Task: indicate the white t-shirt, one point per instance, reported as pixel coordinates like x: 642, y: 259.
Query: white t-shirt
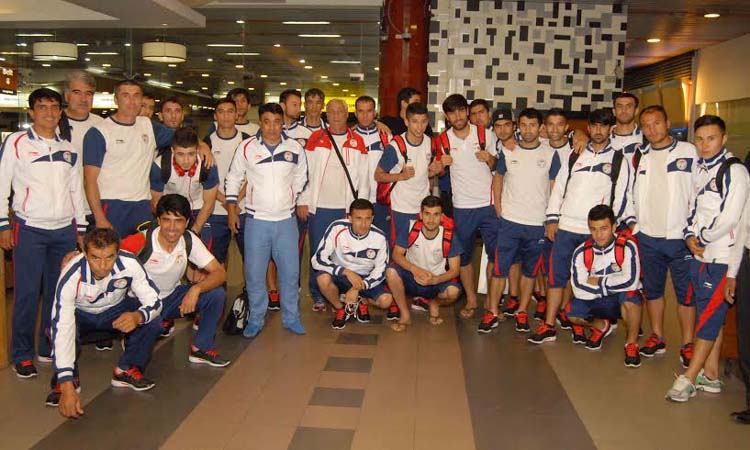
x: 167, y: 268
x: 428, y: 253
x: 407, y: 195
x: 223, y: 151
x: 334, y: 180
x: 471, y: 179
x: 78, y: 129
x: 249, y: 128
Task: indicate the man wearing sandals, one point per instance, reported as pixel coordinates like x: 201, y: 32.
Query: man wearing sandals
x: 351, y: 260
x: 426, y: 262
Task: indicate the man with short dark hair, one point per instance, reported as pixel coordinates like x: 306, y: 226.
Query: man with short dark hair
x: 625, y: 131
x: 148, y: 106
x: 720, y: 193
x: 42, y: 172
x: 314, y: 101
x: 275, y: 169
x: 479, y: 113
x: 599, y: 175
x: 241, y: 98
x: 605, y: 278
x: 398, y: 124
x: 110, y: 276
x: 351, y: 260
x: 171, y: 113
x: 165, y: 250
x: 291, y: 102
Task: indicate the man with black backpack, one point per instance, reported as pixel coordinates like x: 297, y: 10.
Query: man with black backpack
x: 165, y: 250
x: 598, y: 175
x: 179, y: 170
x: 606, y: 277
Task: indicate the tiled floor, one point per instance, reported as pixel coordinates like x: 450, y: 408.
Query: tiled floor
x: 368, y: 388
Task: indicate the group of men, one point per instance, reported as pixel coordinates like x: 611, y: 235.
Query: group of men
x: 569, y: 219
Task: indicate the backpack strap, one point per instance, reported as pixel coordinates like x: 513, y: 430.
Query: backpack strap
x: 482, y: 136
x: 620, y: 250
x: 447, y: 224
x: 445, y: 143
x: 571, y: 162
x: 414, y: 233
x: 166, y: 165
x: 148, y: 248
x: 588, y: 254
x: 614, y: 174
x: 725, y: 165
x: 383, y: 138
x: 401, y: 145
x: 203, y: 173
x: 188, y: 236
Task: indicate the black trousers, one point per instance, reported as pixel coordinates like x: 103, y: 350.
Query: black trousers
x: 742, y: 302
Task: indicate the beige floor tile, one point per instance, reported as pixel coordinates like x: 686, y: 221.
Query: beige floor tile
x: 330, y: 417
x: 347, y: 380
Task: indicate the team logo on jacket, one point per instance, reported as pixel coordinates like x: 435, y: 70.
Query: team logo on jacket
x: 681, y: 164
x: 67, y: 157
x: 712, y: 186
x: 353, y: 143
x: 144, y: 138
x: 614, y: 267
x: 371, y: 254
x: 120, y: 283
x: 302, y: 141
x: 607, y: 168
x: 541, y: 163
x: 288, y: 156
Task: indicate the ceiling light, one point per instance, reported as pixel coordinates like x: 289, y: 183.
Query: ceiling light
x: 342, y: 61
x: 204, y: 75
x: 127, y: 44
x: 102, y: 53
x: 87, y: 59
x: 345, y: 90
x: 277, y: 45
x: 146, y: 74
x: 159, y: 83
x: 210, y: 59
x: 325, y: 77
x: 21, y: 44
x: 165, y: 52
x: 225, y: 45
x: 301, y: 61
x: 171, y: 65
x: 377, y: 69
x: 2, y: 59
x: 283, y: 83
x: 352, y: 95
x: 54, y: 51
x: 82, y: 45
x: 653, y: 40
x: 230, y: 82
x: 242, y: 54
x: 106, y: 65
x: 707, y: 16
x: 335, y: 84
x: 298, y: 22
x: 192, y: 91
x: 251, y: 89
x: 204, y: 88
x: 178, y: 82
x: 308, y: 67
x: 319, y: 35
x: 239, y: 66
x: 46, y: 65
x: 264, y: 76
x: 240, y: 21
x: 14, y: 53
x: 34, y: 35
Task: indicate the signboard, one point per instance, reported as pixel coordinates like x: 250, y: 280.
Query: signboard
x: 8, y: 80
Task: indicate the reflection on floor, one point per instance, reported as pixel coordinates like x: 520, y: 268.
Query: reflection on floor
x: 366, y: 387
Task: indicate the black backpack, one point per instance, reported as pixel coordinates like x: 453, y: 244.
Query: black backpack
x: 238, y: 315
x: 148, y: 248
x: 166, y: 167
x: 725, y: 165
x: 614, y: 174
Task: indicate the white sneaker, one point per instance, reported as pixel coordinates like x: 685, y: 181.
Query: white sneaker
x: 705, y: 384
x: 44, y: 359
x: 682, y: 390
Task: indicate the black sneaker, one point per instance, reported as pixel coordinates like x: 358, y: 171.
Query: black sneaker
x: 339, y: 319
x: 420, y: 304
x: 510, y: 307
x: 632, y: 357
x: 522, y: 322
x: 541, y: 310
x: 210, y: 357
x: 393, y: 312
x: 53, y: 398
x: 104, y: 346
x: 563, y: 322
x: 274, y: 304
x: 167, y: 328
x: 686, y: 354
x: 489, y: 321
x: 363, y: 312
x: 598, y: 336
x: 544, y: 333
x: 654, y: 346
x: 579, y: 334
x: 131, y: 378
x: 25, y: 369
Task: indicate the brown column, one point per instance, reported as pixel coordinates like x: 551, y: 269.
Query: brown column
x: 403, y: 62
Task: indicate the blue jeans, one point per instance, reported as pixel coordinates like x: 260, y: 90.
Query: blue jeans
x: 317, y: 225
x: 210, y: 306
x: 278, y: 239
x: 37, y: 257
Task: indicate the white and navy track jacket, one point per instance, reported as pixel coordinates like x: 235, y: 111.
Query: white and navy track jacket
x: 341, y: 249
x: 682, y: 166
x: 714, y: 218
x: 298, y: 132
x: 589, y: 185
x: 45, y: 177
x: 612, y: 277
x: 375, y: 143
x: 78, y: 289
x: 274, y: 179
x: 319, y: 151
x: 626, y: 141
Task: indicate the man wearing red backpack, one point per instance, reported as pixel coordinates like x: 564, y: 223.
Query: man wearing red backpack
x: 605, y: 275
x: 426, y: 262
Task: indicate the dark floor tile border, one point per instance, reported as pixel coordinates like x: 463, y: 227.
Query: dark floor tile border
x: 308, y: 438
x: 342, y: 397
x: 348, y: 364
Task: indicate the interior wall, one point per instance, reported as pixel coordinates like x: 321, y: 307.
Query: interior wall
x: 723, y: 71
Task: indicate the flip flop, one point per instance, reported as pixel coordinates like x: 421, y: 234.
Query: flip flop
x: 399, y: 327
x: 467, y: 313
x: 436, y: 320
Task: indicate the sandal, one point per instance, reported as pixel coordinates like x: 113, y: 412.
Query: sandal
x: 467, y: 313
x: 399, y: 327
x: 436, y: 320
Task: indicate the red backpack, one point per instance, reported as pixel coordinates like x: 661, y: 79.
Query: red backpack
x: 448, y: 227
x: 383, y: 195
x: 620, y: 240
x: 443, y: 143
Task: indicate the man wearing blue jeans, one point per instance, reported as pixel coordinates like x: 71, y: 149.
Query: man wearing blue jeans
x: 275, y: 169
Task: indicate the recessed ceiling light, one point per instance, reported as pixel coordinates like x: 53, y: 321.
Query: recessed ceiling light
x: 319, y: 35
x: 707, y: 16
x: 230, y: 82
x: 82, y: 45
x: 2, y: 59
x: 352, y: 95
x: 325, y: 77
x: 343, y: 61
x: 302, y: 22
x: 308, y: 67
x: 377, y: 69
x: 204, y: 88
x: 34, y: 35
x: 21, y: 44
x: 46, y: 65
x: 204, y: 75
x: 106, y: 65
x: 251, y: 89
x: 239, y: 66
x: 345, y: 90
x: 146, y: 74
x: 335, y: 84
x: 240, y: 21
x: 87, y: 59
x: 210, y: 59
x: 653, y: 40
x: 102, y: 53
x: 164, y: 24
x: 14, y: 53
x: 178, y: 82
x: 277, y: 45
x: 242, y: 54
x: 301, y: 61
x: 264, y: 76
x: 225, y: 45
x: 283, y: 83
x: 171, y: 65
x: 127, y: 44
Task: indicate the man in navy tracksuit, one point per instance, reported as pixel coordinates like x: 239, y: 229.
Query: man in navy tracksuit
x: 42, y: 171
